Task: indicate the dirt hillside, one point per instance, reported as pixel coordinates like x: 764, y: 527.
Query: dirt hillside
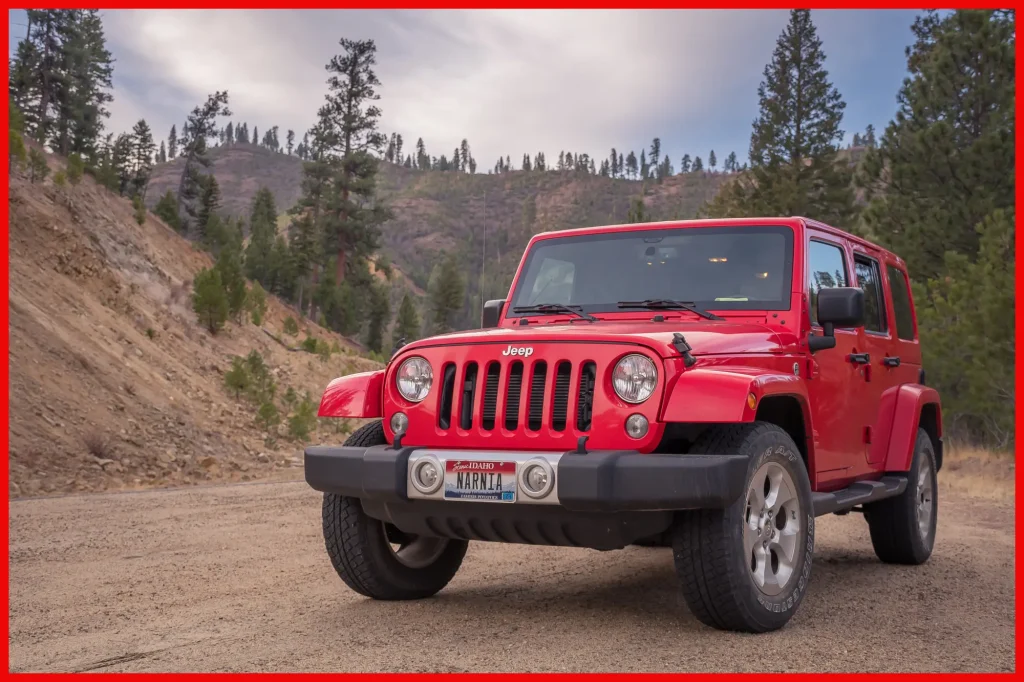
x: 113, y: 384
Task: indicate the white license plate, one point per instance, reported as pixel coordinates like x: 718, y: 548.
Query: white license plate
x: 477, y: 481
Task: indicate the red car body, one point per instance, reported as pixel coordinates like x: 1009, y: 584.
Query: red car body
x: 852, y: 420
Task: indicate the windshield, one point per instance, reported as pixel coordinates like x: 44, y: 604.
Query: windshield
x: 715, y: 268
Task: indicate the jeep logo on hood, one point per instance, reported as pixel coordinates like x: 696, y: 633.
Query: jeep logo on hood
x: 525, y: 351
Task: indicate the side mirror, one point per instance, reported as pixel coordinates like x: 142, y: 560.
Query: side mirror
x: 837, y: 307
x: 492, y: 312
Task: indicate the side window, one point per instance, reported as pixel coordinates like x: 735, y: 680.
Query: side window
x: 826, y: 269
x: 901, y: 303
x: 874, y: 302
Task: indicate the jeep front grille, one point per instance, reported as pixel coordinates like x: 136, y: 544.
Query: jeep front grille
x: 554, y: 386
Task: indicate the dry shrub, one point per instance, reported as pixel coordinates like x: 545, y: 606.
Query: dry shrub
x: 97, y: 444
x: 977, y: 472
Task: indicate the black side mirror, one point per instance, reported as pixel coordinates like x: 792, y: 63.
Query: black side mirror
x: 841, y: 307
x: 492, y: 312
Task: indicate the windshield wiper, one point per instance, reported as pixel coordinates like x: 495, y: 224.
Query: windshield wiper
x: 554, y: 308
x: 668, y: 304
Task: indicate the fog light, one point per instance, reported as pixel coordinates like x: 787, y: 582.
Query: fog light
x: 426, y: 475
x: 537, y: 478
x: 399, y: 422
x: 636, y: 426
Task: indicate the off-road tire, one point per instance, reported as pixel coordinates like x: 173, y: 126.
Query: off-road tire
x: 359, y: 547
x: 894, y: 522
x: 708, y: 547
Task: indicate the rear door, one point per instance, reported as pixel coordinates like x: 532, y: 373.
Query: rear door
x: 877, y: 352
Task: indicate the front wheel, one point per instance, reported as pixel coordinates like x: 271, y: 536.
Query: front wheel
x: 746, y: 568
x: 378, y: 560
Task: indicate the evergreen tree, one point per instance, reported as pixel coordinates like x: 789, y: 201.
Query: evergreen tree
x: 731, y: 165
x: 856, y: 140
x: 201, y: 124
x: 290, y: 142
x: 712, y: 161
x: 631, y: 168
x: 613, y: 164
x: 655, y: 153
x: 795, y: 139
x: 76, y: 168
x: 121, y: 160
x: 698, y: 165
x: 378, y: 316
x: 229, y: 266
x: 398, y: 148
x: 259, y: 263
x: 229, y: 133
x: 447, y: 291
x: 210, y: 299
x: 353, y: 225
x: 942, y: 187
x: 209, y: 204
x: 526, y: 162
x: 242, y: 134
x: 422, y: 159
x: 172, y: 143
x: 407, y: 324
x: 256, y: 135
x: 161, y: 156
x: 37, y: 166
x: 466, y: 155
x: 141, y: 157
x: 645, y: 168
x: 869, y: 137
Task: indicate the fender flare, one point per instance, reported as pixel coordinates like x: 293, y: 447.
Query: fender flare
x: 354, y: 395
x: 720, y: 394
x: 911, y: 400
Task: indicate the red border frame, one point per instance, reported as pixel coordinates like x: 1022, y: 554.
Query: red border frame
x: 508, y: 4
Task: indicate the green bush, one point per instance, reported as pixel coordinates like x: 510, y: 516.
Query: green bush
x: 267, y: 416
x: 237, y: 379
x: 60, y: 178
x: 140, y: 210
x: 17, y: 156
x: 76, y: 167
x: 256, y: 303
x: 151, y: 333
x: 291, y: 327
x: 37, y: 167
x: 309, y: 344
x: 303, y: 420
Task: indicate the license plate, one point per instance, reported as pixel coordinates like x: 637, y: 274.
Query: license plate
x: 479, y: 481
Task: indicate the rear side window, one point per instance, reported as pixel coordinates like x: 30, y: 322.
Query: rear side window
x: 874, y: 302
x: 901, y: 303
x: 826, y: 269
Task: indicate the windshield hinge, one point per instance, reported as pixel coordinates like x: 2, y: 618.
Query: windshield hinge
x: 679, y: 343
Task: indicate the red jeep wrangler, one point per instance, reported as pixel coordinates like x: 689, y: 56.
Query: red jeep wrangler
x: 709, y: 385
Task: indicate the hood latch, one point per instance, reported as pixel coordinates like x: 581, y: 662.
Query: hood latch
x: 679, y: 343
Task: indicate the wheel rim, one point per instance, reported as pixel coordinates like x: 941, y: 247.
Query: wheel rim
x: 925, y: 499
x: 414, y: 551
x: 772, y: 528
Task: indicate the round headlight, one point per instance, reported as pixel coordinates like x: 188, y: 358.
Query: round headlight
x: 634, y: 378
x: 414, y: 379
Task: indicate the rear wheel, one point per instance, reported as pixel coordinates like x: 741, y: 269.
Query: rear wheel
x: 903, y: 527
x: 378, y: 560
x: 746, y: 568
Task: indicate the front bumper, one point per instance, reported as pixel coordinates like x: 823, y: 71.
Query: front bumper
x: 598, y: 481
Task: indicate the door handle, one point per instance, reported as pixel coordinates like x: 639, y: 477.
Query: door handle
x: 859, y: 358
x: 891, y: 362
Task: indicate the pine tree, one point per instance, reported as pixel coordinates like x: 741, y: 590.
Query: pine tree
x: 229, y: 266
x: 209, y: 204
x: 856, y: 140
x: 942, y: 187
x: 202, y: 123
x: 378, y: 316
x: 655, y: 153
x: 229, y: 133
x: 210, y: 299
x: 262, y: 235
x: 731, y: 165
x: 631, y: 168
x: 167, y: 210
x: 38, y: 168
x: 422, y: 159
x: 172, y: 143
x: 698, y: 165
x: 161, y: 156
x: 354, y: 216
x: 398, y: 148
x: 645, y: 167
x: 141, y: 157
x: 795, y: 140
x: 407, y: 324
x: 256, y: 135
x: 712, y: 161
x: 466, y: 155
x: 121, y: 160
x: 613, y: 163
x: 447, y: 291
x: 869, y: 137
x: 290, y: 141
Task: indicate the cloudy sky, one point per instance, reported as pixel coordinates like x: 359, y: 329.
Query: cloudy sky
x: 508, y: 81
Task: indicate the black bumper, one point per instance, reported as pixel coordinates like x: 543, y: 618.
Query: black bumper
x: 599, y: 481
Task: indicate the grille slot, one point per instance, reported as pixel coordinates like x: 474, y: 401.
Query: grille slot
x: 491, y: 395
x: 585, y: 403
x: 515, y: 388
x: 560, y: 406
x: 536, y: 405
x: 444, y: 413
x: 468, y: 390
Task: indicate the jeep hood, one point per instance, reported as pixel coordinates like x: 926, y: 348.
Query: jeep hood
x: 704, y: 337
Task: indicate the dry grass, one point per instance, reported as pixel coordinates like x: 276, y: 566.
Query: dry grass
x: 978, y: 473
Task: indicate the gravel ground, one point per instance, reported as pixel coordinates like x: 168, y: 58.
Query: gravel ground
x: 236, y: 578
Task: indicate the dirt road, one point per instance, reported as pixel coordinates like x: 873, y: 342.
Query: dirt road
x: 235, y: 578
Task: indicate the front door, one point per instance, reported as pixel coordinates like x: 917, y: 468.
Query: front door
x: 834, y: 384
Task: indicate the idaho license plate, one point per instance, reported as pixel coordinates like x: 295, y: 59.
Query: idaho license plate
x: 479, y: 481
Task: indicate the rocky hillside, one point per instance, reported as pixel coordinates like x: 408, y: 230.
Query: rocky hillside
x: 485, y: 219
x: 113, y: 384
